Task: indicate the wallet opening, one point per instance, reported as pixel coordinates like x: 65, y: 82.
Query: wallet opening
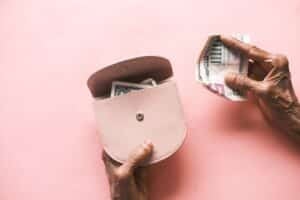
x: 133, y: 70
x: 107, y: 95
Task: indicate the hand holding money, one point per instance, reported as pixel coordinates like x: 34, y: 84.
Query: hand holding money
x: 215, y: 61
x: 270, y: 82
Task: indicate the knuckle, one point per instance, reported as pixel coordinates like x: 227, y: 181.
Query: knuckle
x: 133, y: 159
x: 266, y: 88
x: 233, y: 79
x: 240, y: 81
x: 121, y: 174
x: 252, y: 49
x: 140, y: 152
x: 280, y: 61
x: 145, y: 149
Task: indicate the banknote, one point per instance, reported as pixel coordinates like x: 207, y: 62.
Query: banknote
x: 119, y: 88
x: 215, y: 61
x: 149, y: 81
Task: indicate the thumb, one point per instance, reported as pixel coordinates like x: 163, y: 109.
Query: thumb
x: 241, y: 82
x: 135, y: 159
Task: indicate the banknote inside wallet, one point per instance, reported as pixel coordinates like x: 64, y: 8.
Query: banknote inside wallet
x: 152, y: 113
x: 133, y: 70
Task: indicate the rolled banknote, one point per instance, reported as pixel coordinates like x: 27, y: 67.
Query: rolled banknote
x: 215, y: 61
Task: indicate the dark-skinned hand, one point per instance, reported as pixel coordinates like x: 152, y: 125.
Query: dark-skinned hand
x: 269, y: 80
x: 129, y: 181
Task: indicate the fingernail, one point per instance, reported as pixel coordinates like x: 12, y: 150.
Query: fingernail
x: 224, y: 37
x: 230, y: 78
x: 148, y: 143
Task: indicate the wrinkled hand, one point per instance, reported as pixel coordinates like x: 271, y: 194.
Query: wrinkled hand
x: 269, y: 81
x: 127, y: 181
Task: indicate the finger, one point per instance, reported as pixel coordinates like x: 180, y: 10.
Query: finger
x: 248, y: 50
x: 136, y: 158
x: 256, y: 72
x: 142, y: 174
x: 109, y: 166
x: 107, y: 159
x: 141, y: 178
x: 242, y: 83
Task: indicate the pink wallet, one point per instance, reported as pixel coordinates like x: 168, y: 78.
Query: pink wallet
x: 117, y: 118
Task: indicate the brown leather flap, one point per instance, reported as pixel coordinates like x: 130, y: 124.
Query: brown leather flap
x: 133, y: 70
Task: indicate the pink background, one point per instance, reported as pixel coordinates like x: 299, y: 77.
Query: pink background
x: 49, y: 148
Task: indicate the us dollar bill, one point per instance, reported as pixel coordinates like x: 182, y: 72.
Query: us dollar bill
x: 149, y: 81
x: 215, y: 61
x: 120, y: 88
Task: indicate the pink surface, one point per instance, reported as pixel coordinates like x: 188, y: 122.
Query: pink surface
x: 49, y: 148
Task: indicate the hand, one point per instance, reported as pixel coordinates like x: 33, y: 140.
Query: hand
x: 269, y: 81
x: 127, y: 182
